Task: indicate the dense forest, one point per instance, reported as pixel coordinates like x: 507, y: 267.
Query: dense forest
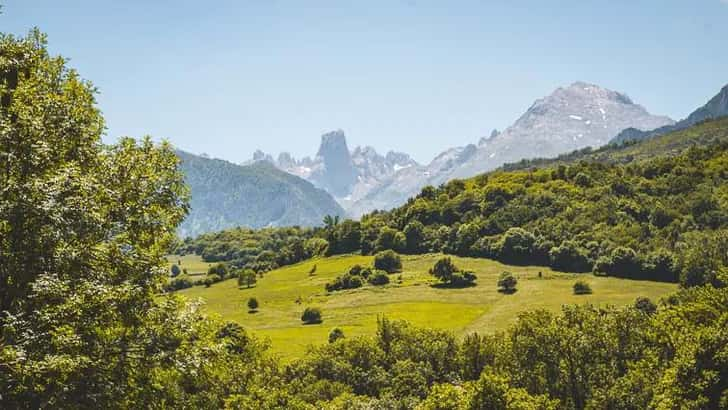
x: 84, y: 228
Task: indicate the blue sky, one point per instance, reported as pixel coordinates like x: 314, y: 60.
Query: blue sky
x: 228, y: 77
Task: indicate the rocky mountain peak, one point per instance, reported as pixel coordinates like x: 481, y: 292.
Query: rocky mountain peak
x: 337, y: 175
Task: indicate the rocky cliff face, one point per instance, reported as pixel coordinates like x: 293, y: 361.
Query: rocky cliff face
x: 347, y: 175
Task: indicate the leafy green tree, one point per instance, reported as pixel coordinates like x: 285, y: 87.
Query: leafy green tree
x: 414, y: 237
x: 247, y: 278
x: 252, y: 304
x: 388, y: 261
x: 174, y: 270
x: 311, y: 315
x: 335, y: 335
x: 507, y: 282
x: 444, y: 269
x: 582, y: 288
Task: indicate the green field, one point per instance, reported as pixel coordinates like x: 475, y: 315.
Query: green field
x: 480, y: 308
x: 193, y: 263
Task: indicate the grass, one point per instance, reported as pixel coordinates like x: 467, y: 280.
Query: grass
x: 480, y: 308
x: 193, y: 263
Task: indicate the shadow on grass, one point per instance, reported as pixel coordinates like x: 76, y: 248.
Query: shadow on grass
x: 313, y: 322
x: 252, y: 311
x: 507, y: 291
x: 453, y: 285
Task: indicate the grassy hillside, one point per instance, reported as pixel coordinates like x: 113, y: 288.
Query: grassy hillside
x: 476, y: 309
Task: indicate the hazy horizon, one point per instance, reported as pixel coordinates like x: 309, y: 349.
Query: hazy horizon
x: 411, y: 76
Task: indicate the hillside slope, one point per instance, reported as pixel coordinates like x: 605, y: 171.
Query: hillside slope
x: 225, y: 195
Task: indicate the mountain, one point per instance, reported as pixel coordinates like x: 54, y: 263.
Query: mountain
x: 715, y: 108
x: 572, y: 117
x: 347, y: 175
x: 225, y: 195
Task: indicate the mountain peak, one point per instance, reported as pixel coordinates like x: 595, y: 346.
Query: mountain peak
x: 338, y: 174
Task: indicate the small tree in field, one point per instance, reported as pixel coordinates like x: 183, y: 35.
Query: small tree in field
x: 252, y: 305
x: 335, y: 335
x: 507, y: 282
x: 175, y: 270
x: 247, y: 278
x: 311, y: 315
x: 443, y: 269
x: 388, y: 261
x: 582, y: 288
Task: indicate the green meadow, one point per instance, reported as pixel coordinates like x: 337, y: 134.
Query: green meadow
x: 284, y: 293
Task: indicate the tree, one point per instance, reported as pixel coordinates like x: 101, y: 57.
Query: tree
x: 174, y: 270
x: 388, y: 261
x: 582, y: 288
x: 446, y: 271
x: 414, y: 236
x: 443, y: 269
x: 247, y: 277
x: 252, y: 305
x: 507, y: 282
x: 645, y: 305
x: 335, y: 335
x: 311, y: 315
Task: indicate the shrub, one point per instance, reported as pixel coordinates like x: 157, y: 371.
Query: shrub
x: 507, y: 282
x: 569, y: 257
x: 355, y: 270
x: 379, y: 278
x: 443, y: 269
x: 645, y: 305
x: 253, y: 304
x: 463, y: 278
x: 346, y: 281
x: 582, y: 288
x: 218, y: 269
x: 446, y: 271
x: 388, y: 261
x: 174, y: 270
x: 311, y: 315
x: 316, y: 247
x: 335, y: 335
x: 179, y: 283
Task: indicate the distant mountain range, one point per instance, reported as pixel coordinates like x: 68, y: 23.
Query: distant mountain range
x: 225, y: 195
x: 715, y: 108
x: 572, y: 117
x: 288, y: 191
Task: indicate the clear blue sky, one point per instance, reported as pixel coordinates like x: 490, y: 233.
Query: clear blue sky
x: 227, y: 77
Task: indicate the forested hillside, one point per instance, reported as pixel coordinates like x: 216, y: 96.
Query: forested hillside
x: 225, y: 195
x: 655, y: 210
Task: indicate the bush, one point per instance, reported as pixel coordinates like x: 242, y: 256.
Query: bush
x: 316, y: 247
x: 346, y: 281
x: 253, y: 304
x: 507, y: 282
x: 443, y: 269
x: 645, y: 305
x: 446, y: 271
x: 219, y: 269
x: 569, y: 257
x: 311, y: 315
x: 388, y: 261
x: 582, y: 288
x: 175, y: 271
x: 379, y: 278
x: 179, y: 283
x: 335, y: 335
x: 462, y: 279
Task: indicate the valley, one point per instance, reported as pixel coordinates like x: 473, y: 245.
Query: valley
x: 480, y: 308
